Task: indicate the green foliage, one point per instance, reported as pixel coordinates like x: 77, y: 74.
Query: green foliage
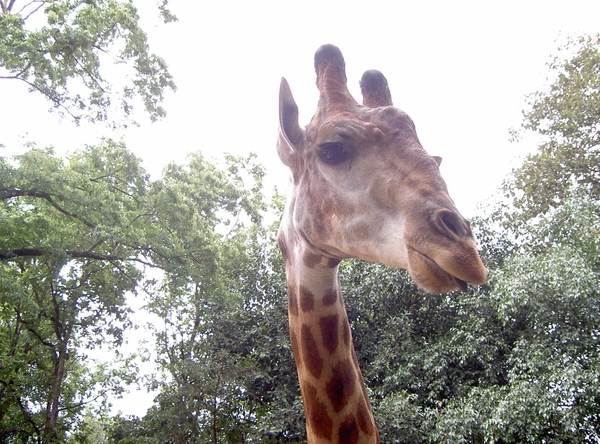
x: 551, y: 290
x: 61, y: 49
x: 226, y: 369
x: 567, y: 116
x: 420, y: 353
x: 68, y: 258
x: 79, y: 234
x: 92, y: 430
x: 548, y: 287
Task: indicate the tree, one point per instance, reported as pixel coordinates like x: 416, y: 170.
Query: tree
x: 206, y: 369
x: 548, y: 298
x: 272, y: 392
x: 61, y: 49
x: 549, y: 287
x: 567, y: 117
x: 132, y: 430
x: 77, y: 237
x: 226, y: 371
x: 70, y: 250
x: 422, y: 354
x: 543, y: 289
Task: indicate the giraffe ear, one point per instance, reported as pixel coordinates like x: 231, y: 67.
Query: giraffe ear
x: 290, y: 133
x: 438, y: 159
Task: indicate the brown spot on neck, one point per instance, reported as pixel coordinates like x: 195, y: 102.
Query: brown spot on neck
x: 348, y: 432
x: 292, y: 301
x: 330, y: 297
x: 316, y: 414
x: 332, y: 263
x: 347, y: 335
x: 307, y: 299
x: 311, y: 259
x: 310, y: 352
x: 329, y: 331
x: 342, y: 384
x: 364, y: 418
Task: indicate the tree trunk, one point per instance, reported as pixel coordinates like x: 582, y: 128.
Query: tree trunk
x: 53, y: 405
x: 214, y: 427
x: 62, y: 330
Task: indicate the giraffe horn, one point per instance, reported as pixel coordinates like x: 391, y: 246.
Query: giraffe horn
x: 331, y: 79
x: 375, y: 90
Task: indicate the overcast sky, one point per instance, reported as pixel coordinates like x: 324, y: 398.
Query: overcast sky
x: 460, y: 69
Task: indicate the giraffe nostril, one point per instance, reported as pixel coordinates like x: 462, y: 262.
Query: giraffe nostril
x: 452, y: 223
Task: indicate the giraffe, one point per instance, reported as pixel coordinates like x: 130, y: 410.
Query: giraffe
x: 362, y: 187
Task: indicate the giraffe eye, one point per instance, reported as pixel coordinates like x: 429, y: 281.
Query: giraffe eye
x: 334, y: 153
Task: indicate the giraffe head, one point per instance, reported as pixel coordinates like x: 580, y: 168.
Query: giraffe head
x: 364, y: 187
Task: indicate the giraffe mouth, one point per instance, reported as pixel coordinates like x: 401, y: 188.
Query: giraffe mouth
x: 430, y: 275
x: 460, y: 283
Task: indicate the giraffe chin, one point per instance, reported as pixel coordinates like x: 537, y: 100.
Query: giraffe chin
x: 432, y: 278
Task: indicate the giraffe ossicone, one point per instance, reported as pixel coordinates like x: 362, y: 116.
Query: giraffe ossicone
x: 362, y: 186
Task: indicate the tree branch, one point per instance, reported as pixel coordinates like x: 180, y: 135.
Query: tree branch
x: 28, y: 417
x: 42, y: 3
x: 57, y: 102
x: 36, y: 252
x: 21, y: 252
x: 6, y: 193
x: 74, y: 254
x: 89, y: 401
x: 95, y: 244
x: 39, y: 337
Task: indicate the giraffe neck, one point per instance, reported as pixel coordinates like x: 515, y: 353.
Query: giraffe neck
x: 335, y: 401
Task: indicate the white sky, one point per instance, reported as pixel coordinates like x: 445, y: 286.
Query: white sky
x: 461, y: 69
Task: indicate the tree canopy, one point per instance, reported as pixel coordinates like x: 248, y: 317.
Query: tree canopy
x: 69, y: 257
x: 566, y: 115
x: 79, y: 235
x: 67, y: 50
